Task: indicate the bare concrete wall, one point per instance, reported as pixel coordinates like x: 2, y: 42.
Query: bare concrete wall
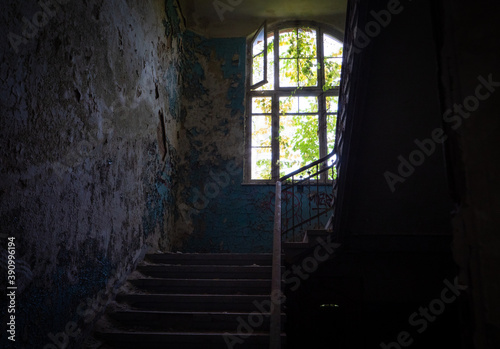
x: 89, y: 101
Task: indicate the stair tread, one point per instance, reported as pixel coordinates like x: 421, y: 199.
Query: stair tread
x: 188, y: 312
x: 198, y: 279
x: 193, y: 301
x: 254, y: 265
x: 190, y: 297
x: 202, y: 286
x: 172, y: 295
x: 211, y: 258
x: 191, y: 333
x: 209, y: 254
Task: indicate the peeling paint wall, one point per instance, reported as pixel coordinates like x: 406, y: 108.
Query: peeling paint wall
x: 216, y: 212
x: 90, y: 101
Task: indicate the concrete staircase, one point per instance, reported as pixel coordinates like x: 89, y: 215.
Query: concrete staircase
x: 185, y: 301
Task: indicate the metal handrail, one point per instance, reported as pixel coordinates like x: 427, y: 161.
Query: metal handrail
x: 305, y: 179
x: 313, y: 183
x: 306, y: 167
x: 276, y: 293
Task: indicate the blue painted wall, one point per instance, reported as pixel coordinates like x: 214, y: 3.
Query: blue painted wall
x: 219, y: 212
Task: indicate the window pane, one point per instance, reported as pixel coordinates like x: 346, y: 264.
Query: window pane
x: 306, y: 44
x: 258, y: 44
x: 261, y: 130
x: 289, y: 105
x: 294, y: 105
x: 288, y: 73
x: 332, y: 104
x: 288, y: 43
x: 258, y: 68
x: 270, y: 65
x: 332, y: 47
x: 299, y: 143
x: 259, y: 57
x: 308, y: 104
x: 332, y: 172
x: 261, y: 163
x: 333, y: 68
x: 308, y: 72
x: 261, y: 105
x: 331, y: 123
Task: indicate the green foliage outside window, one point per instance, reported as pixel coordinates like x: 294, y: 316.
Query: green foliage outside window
x: 298, y: 67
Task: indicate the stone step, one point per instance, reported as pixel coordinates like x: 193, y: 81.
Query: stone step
x: 206, y: 271
x: 204, y: 286
x: 185, y: 340
x: 193, y: 300
x: 264, y: 259
x: 197, y: 302
x: 191, y: 321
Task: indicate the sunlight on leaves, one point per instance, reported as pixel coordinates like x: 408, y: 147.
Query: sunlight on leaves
x: 298, y: 68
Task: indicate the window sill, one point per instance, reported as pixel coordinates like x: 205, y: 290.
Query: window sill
x: 263, y: 183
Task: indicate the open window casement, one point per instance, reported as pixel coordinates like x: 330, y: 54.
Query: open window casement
x: 292, y: 106
x: 259, y: 57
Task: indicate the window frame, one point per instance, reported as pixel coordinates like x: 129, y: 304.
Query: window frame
x: 264, y: 81
x: 278, y: 92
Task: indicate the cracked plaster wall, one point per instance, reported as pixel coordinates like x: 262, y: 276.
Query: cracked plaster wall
x: 216, y: 212
x: 90, y: 111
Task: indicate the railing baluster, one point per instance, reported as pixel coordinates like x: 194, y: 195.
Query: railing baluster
x: 333, y: 172
x: 293, y: 209
x: 292, y: 227
x: 309, y: 197
x: 275, y: 327
x: 317, y: 188
x: 286, y: 210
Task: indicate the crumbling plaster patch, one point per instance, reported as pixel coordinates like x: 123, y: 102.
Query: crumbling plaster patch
x: 216, y: 212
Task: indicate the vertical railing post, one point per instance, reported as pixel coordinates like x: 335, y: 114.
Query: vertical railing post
x: 317, y: 192
x: 275, y: 327
x: 293, y: 209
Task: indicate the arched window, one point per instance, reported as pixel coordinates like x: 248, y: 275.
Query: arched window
x: 293, y: 87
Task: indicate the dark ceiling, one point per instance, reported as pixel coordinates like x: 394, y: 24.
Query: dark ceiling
x: 244, y: 17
